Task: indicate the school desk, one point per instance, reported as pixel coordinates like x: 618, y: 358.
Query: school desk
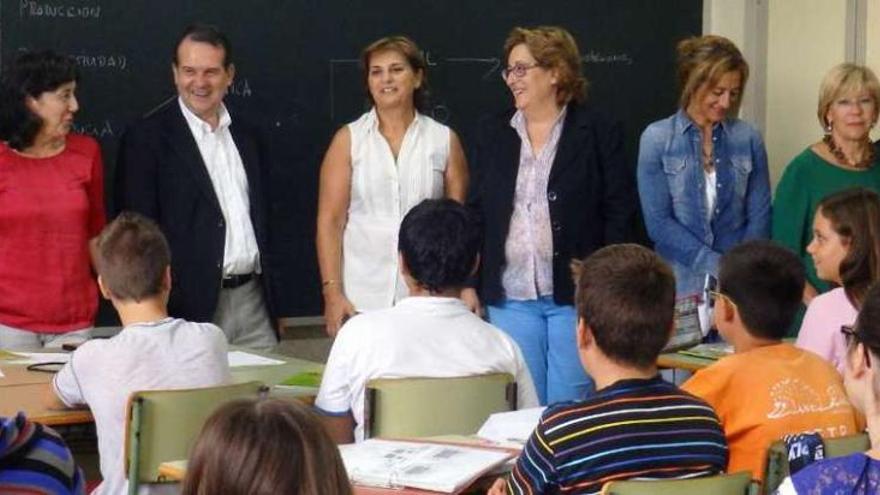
x: 674, y: 360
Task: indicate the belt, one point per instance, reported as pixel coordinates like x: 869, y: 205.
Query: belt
x: 233, y: 281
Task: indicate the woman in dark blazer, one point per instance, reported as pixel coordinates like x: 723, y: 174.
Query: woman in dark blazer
x: 551, y: 184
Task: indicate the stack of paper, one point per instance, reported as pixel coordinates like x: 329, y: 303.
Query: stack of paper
x: 427, y: 466
x: 511, y: 428
x: 238, y: 359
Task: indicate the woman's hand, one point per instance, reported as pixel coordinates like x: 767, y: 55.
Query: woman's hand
x: 337, y: 309
x: 471, y: 300
x: 498, y: 488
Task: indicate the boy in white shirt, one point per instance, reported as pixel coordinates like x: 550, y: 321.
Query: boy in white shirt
x: 432, y: 333
x: 153, y: 350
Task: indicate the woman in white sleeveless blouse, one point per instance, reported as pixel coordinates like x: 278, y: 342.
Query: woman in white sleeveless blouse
x: 376, y: 169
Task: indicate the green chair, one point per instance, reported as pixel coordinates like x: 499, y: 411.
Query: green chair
x: 163, y: 424
x: 423, y: 407
x: 776, y: 466
x: 723, y: 484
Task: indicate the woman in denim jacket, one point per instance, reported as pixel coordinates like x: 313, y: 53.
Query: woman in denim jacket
x: 702, y: 173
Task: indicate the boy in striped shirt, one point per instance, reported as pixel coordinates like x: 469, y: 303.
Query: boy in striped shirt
x: 636, y: 425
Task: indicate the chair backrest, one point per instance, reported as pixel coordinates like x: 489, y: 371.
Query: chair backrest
x: 723, y: 484
x: 163, y: 424
x: 421, y: 407
x: 776, y: 467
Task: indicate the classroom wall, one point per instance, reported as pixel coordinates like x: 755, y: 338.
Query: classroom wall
x: 790, y: 45
x: 805, y: 38
x: 872, y: 36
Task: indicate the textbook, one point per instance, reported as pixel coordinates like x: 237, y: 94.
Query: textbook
x: 427, y: 466
x: 709, y: 351
x: 511, y: 428
x: 687, y: 324
x: 303, y: 379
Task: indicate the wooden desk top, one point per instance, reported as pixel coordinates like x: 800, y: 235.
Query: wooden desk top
x: 29, y: 398
x: 682, y: 361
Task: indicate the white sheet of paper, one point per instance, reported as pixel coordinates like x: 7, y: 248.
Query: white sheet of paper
x: 241, y: 358
x: 436, y: 467
x: 513, y: 426
x: 41, y: 357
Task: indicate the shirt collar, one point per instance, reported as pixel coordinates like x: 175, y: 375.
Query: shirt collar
x: 452, y: 303
x: 373, y: 120
x: 518, y: 121
x: 683, y: 122
x: 198, y: 126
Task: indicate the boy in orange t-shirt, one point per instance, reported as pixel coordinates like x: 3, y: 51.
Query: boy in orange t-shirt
x: 767, y: 388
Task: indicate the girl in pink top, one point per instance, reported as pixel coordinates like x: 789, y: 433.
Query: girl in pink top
x: 846, y: 252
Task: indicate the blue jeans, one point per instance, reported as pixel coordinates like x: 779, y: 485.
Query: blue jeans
x: 545, y: 333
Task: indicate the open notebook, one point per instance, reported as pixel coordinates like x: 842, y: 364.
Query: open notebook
x: 687, y: 324
x: 427, y: 466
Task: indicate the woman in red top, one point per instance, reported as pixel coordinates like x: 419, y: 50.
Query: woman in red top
x: 51, y: 204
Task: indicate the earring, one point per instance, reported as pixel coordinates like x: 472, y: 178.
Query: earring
x: 828, y: 128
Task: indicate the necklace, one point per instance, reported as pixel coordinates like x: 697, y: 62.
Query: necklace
x: 708, y: 162
x: 863, y: 164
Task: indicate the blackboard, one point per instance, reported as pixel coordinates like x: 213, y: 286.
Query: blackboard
x: 297, y: 75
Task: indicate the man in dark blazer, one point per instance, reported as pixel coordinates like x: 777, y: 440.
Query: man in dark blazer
x: 198, y: 172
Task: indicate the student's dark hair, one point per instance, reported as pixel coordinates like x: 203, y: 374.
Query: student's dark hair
x: 131, y: 256
x: 414, y: 57
x: 30, y: 75
x: 766, y: 282
x: 439, y: 242
x: 855, y: 215
x: 265, y: 447
x: 206, y: 33
x: 625, y: 293
x: 868, y: 322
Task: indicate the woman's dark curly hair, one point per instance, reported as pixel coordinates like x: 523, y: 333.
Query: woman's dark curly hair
x: 31, y: 74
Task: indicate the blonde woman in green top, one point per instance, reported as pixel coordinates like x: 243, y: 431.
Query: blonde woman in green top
x: 848, y: 105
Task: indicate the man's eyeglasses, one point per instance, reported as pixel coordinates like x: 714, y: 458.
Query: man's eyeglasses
x: 518, y: 70
x: 852, y: 337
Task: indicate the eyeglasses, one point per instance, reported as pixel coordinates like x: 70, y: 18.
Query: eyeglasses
x: 714, y: 295
x: 518, y: 70
x: 852, y: 336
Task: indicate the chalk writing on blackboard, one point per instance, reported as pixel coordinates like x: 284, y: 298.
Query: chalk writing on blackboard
x: 592, y: 57
x: 440, y: 113
x: 30, y: 8
x: 98, y: 130
x: 492, y: 63
x: 241, y: 88
x: 102, y: 61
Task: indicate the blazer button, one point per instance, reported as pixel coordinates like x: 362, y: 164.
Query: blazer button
x: 220, y: 224
x: 551, y: 195
x: 556, y: 226
x: 555, y: 254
